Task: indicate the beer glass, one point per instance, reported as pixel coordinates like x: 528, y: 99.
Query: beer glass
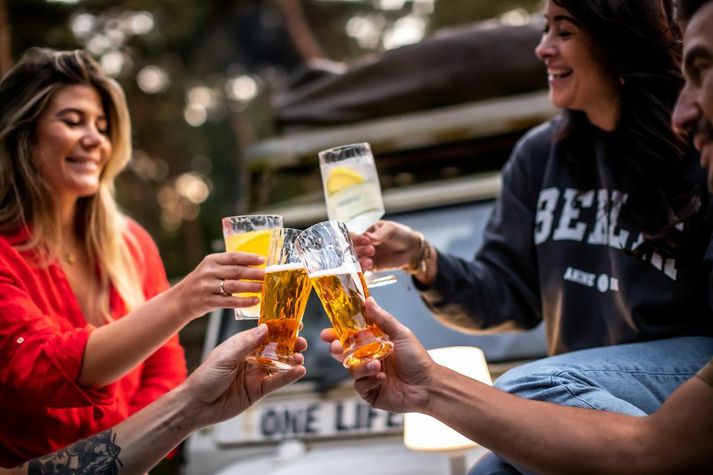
x: 251, y: 233
x: 284, y: 298
x: 352, y: 192
x: 335, y: 274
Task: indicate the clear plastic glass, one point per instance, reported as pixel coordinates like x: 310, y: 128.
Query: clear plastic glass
x: 282, y: 303
x: 331, y: 262
x: 352, y: 192
x: 250, y: 233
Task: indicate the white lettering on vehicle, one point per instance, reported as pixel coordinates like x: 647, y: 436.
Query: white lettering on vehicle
x: 318, y: 420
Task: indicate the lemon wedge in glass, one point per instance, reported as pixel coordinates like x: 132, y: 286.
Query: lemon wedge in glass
x: 254, y: 242
x: 341, y: 178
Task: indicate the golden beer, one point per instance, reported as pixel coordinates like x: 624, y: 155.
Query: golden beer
x: 343, y: 292
x: 284, y: 298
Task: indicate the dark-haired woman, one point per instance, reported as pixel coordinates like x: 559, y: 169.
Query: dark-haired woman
x: 601, y: 230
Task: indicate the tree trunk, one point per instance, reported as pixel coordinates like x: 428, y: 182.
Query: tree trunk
x: 299, y: 30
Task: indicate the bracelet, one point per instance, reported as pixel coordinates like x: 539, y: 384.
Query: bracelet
x: 420, y: 261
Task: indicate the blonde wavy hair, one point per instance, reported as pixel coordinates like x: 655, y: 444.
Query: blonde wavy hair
x: 26, y: 198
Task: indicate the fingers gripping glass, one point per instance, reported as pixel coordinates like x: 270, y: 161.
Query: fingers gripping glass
x: 352, y: 192
x: 283, y: 301
x: 251, y: 233
x: 328, y: 255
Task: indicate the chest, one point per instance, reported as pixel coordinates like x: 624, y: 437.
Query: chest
x: 90, y: 292
x: 70, y: 298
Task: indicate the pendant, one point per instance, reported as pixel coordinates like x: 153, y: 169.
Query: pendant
x: 69, y: 258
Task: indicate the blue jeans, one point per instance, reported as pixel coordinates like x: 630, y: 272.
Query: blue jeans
x: 631, y: 379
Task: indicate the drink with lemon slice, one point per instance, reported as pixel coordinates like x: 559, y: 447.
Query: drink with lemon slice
x: 251, y: 234
x: 352, y: 192
x: 351, y: 186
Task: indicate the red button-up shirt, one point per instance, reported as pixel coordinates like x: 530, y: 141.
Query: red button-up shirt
x: 42, y: 339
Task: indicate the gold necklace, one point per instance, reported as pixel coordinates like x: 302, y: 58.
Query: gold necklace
x: 69, y: 257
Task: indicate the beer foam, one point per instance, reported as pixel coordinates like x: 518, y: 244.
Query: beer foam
x: 346, y: 268
x: 284, y: 267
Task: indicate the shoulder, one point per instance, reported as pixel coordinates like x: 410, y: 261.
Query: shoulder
x: 137, y: 233
x: 533, y: 149
x: 6, y: 242
x: 15, y: 238
x: 531, y: 153
x: 139, y: 240
x: 147, y: 257
x: 10, y: 255
x: 538, y: 140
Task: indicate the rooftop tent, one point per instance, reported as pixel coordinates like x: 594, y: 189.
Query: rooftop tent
x: 452, y: 66
x: 450, y: 106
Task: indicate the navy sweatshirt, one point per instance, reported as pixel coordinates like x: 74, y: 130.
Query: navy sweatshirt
x: 555, y: 249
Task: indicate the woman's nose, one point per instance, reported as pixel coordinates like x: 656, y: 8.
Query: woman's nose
x: 544, y: 49
x: 92, y: 137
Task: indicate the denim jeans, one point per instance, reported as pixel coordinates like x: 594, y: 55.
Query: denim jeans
x: 631, y: 379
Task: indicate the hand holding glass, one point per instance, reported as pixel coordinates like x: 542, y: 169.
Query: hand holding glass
x: 334, y: 271
x: 284, y: 298
x: 352, y: 192
x: 251, y: 233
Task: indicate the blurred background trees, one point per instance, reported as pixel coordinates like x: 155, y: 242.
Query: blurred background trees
x: 199, y: 76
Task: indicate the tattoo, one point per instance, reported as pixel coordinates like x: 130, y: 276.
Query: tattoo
x: 96, y: 455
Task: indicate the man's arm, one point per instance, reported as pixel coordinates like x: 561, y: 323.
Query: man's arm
x: 548, y: 438
x: 543, y: 437
x: 222, y: 387
x: 133, y: 446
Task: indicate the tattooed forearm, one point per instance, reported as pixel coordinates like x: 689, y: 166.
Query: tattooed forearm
x: 96, y: 455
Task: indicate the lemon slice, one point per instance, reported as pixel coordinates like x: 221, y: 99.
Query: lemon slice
x: 255, y: 242
x: 341, y: 178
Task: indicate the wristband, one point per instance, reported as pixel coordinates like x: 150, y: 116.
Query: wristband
x: 419, y: 263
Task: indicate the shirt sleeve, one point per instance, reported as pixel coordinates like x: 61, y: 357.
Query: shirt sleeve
x: 499, y: 289
x: 161, y: 372
x: 166, y: 368
x: 41, y: 361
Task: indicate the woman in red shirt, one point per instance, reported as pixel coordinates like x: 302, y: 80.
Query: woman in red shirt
x: 88, y: 324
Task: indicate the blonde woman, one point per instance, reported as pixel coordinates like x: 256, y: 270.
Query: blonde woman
x: 87, y: 320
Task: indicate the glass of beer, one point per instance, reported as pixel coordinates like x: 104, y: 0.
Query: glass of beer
x: 352, y: 192
x: 333, y: 268
x: 251, y: 233
x: 284, y: 298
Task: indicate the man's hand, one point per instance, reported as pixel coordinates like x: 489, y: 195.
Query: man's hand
x: 225, y: 384
x: 399, y: 383
x: 386, y: 245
